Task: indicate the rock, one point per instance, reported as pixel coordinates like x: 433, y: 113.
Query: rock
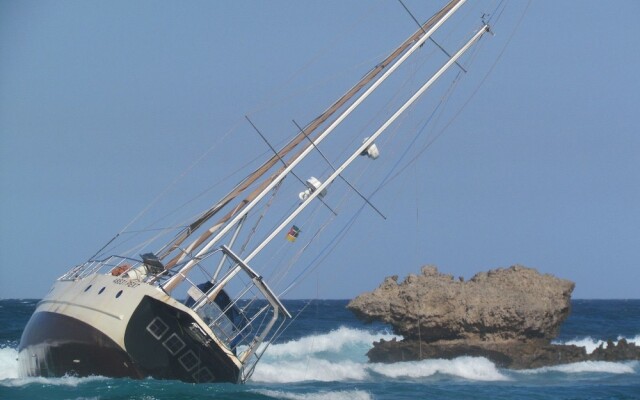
x: 516, y: 303
x: 507, y: 315
x: 622, y: 351
x: 508, y: 354
x: 514, y: 354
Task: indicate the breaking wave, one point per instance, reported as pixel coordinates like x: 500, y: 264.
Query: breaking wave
x: 628, y: 367
x: 471, y: 368
x: 330, y: 395
x: 9, y: 376
x: 8, y: 363
x: 590, y: 344
x: 340, y: 355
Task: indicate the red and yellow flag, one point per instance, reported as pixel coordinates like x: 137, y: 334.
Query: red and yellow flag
x: 293, y: 233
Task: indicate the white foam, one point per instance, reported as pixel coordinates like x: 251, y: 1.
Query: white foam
x: 588, y: 366
x: 311, y: 369
x: 472, y: 368
x: 635, y: 339
x: 10, y: 376
x: 8, y: 363
x: 335, y: 395
x: 340, y: 356
x: 72, y: 381
x: 590, y: 344
x: 336, y: 342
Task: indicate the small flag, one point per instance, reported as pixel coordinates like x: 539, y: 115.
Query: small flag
x: 293, y: 233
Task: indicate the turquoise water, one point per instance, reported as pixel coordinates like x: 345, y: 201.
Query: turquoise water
x: 322, y: 356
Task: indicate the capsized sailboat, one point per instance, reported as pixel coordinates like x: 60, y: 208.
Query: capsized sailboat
x: 197, y: 307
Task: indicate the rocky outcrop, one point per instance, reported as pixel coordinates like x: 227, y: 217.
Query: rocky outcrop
x: 503, y: 304
x: 510, y: 354
x: 507, y: 315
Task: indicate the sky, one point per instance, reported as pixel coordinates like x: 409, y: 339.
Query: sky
x: 103, y: 104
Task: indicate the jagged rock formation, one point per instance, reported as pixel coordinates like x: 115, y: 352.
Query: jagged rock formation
x: 507, y: 315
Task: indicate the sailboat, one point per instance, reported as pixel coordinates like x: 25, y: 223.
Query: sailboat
x: 198, y: 308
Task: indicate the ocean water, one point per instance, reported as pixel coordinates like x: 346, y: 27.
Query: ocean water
x: 322, y: 356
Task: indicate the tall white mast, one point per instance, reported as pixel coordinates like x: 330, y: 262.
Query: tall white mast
x: 302, y: 136
x: 181, y: 274
x: 368, y: 142
x: 350, y: 160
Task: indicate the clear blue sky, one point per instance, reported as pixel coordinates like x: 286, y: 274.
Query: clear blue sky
x: 103, y: 103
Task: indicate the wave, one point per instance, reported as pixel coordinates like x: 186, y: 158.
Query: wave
x: 470, y: 368
x: 309, y: 370
x: 8, y: 363
x: 340, y: 355
x: 335, y: 356
x: 628, y: 367
x: 342, y: 342
x: 9, y: 376
x: 590, y: 344
x: 333, y: 395
x: 72, y: 381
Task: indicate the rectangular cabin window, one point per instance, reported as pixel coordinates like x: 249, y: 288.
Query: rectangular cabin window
x: 157, y: 328
x: 189, y: 360
x: 174, y: 344
x: 203, y: 375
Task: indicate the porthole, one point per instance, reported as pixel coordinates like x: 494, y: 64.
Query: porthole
x: 118, y: 294
x: 88, y: 287
x: 101, y: 290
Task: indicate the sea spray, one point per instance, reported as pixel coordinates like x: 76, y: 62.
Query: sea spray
x: 338, y: 356
x: 343, y: 341
x: 591, y: 344
x: 311, y: 369
x: 8, y: 363
x: 606, y: 367
x: 471, y: 368
x: 329, y: 395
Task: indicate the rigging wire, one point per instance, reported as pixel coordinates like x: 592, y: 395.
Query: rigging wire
x: 178, y: 178
x: 333, y: 243
x: 323, y: 254
x: 317, y: 260
x: 261, y: 217
x: 457, y: 114
x: 338, y: 38
x: 181, y: 176
x: 430, y: 38
x: 185, y: 223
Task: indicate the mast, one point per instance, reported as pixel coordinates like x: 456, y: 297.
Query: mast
x: 212, y: 295
x: 267, y: 185
x: 432, y: 24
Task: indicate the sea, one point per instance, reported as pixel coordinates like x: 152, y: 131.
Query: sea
x: 322, y: 355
